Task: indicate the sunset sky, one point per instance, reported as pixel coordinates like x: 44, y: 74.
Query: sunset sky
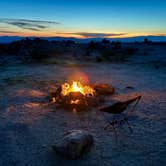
x: 82, y: 18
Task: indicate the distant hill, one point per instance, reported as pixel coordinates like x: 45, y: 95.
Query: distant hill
x: 9, y: 39
x: 141, y: 38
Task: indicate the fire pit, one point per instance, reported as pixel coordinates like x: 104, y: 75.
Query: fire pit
x: 77, y: 96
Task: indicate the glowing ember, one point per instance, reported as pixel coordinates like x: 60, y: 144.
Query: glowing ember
x: 77, y: 87
x: 75, y: 101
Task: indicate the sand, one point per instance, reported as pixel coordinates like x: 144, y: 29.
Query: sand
x: 29, y: 125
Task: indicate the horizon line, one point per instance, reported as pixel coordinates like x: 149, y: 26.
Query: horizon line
x: 113, y: 37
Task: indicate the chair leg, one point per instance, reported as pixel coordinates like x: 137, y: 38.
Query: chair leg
x: 129, y: 126
x: 116, y: 133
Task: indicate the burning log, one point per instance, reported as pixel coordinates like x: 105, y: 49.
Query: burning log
x: 75, y: 100
x: 74, y: 95
x: 80, y: 97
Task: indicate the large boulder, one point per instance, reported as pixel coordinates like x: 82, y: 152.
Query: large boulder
x: 74, y: 144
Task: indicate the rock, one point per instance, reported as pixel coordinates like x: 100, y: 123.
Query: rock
x: 129, y: 87
x: 104, y: 89
x: 74, y: 144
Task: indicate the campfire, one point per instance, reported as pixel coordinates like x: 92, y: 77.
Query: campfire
x: 78, y: 95
x: 77, y: 87
x: 75, y: 95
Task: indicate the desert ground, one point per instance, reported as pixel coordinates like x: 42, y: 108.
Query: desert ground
x: 30, y: 125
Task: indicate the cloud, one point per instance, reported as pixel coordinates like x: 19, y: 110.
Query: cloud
x: 161, y: 34
x: 34, y: 25
x: 3, y: 31
x: 96, y: 35
x: 30, y: 26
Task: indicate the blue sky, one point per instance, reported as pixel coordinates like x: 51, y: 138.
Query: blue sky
x: 80, y: 18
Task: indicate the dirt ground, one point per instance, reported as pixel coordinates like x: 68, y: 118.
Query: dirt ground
x: 29, y: 125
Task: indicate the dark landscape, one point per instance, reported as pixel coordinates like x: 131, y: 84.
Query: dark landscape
x: 82, y: 83
x: 30, y: 69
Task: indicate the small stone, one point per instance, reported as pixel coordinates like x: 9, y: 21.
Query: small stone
x: 74, y: 144
x: 129, y: 87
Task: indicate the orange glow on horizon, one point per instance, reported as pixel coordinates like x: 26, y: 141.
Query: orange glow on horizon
x: 66, y: 34
x: 41, y: 34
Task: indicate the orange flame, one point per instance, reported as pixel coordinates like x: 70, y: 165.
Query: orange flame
x: 76, y: 87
